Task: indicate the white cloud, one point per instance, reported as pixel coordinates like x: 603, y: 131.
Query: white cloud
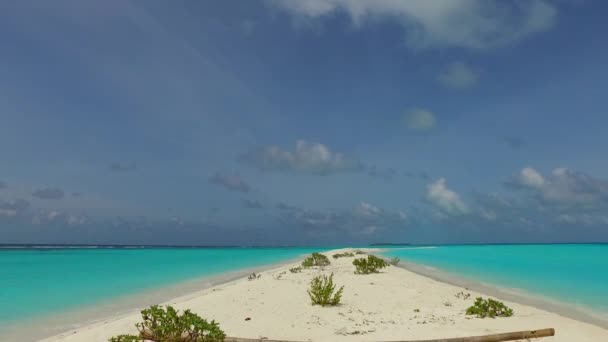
x: 10, y: 209
x: 53, y: 215
x: 459, y: 76
x: 307, y: 157
x: 585, y: 219
x: 230, y: 182
x: 364, y: 218
x: 565, y: 186
x: 564, y: 196
x: 489, y: 215
x: 477, y: 24
x: 50, y: 216
x: 419, y: 119
x: 445, y: 199
x: 367, y: 209
x: 531, y: 178
x: 569, y: 186
x: 76, y: 220
x: 369, y: 230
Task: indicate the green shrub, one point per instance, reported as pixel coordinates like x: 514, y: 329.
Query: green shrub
x: 316, y: 259
x: 296, y: 269
x: 160, y: 324
x: 322, y: 291
x: 342, y: 255
x: 489, y: 308
x: 370, y: 265
x: 358, y: 251
x: 395, y: 261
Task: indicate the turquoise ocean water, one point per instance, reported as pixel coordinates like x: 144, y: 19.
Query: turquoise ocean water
x: 39, y: 281
x: 569, y: 273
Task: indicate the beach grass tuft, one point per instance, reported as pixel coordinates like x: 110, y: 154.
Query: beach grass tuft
x: 462, y: 295
x: 372, y: 264
x: 343, y: 255
x: 254, y: 276
x: 489, y: 308
x: 296, y: 269
x: 316, y: 259
x: 322, y: 291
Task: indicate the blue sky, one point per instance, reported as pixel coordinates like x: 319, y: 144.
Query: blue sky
x: 303, y: 122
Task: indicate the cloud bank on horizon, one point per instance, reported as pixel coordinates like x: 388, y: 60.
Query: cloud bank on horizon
x: 304, y: 122
x: 475, y: 24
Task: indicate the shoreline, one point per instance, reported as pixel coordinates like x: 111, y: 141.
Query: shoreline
x: 94, y: 314
x: 570, y: 310
x: 230, y: 294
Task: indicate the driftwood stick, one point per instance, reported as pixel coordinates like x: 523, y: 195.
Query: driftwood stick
x: 511, y: 336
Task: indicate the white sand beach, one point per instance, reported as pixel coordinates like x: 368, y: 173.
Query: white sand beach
x: 395, y: 304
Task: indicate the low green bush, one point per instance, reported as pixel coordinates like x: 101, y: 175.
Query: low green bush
x: 489, y: 308
x: 342, y: 255
x: 358, y: 251
x: 316, y: 259
x: 322, y: 290
x: 296, y: 269
x: 166, y: 325
x: 370, y: 265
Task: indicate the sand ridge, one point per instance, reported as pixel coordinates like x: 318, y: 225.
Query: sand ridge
x: 392, y: 305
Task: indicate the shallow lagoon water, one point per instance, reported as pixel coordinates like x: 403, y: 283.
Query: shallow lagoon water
x: 569, y: 273
x: 40, y: 281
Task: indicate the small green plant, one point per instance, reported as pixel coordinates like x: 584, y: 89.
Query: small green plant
x: 489, y: 308
x: 316, y: 259
x: 416, y: 310
x: 370, y: 265
x: 395, y: 261
x: 254, y: 276
x: 322, y: 291
x: 342, y: 255
x: 278, y: 276
x: 462, y: 295
x: 296, y: 269
x: 308, y: 262
x: 166, y: 324
x: 358, y: 251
